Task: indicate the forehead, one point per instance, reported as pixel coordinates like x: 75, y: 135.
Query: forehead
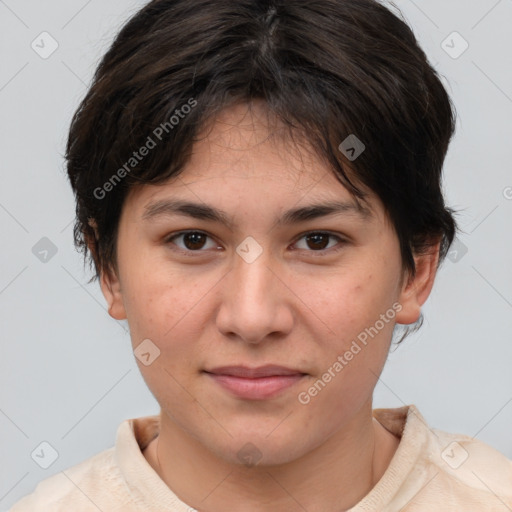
x: 245, y: 152
x: 246, y: 140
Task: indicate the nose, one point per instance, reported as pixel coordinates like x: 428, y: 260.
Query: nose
x: 256, y: 301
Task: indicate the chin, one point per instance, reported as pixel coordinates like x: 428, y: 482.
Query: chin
x: 259, y: 450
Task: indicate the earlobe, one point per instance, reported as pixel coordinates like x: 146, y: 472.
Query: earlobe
x: 111, y: 288
x: 109, y: 282
x: 415, y: 290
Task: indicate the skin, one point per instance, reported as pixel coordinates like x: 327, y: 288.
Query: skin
x: 206, y: 306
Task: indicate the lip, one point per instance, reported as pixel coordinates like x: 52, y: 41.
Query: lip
x: 268, y: 370
x: 259, y: 383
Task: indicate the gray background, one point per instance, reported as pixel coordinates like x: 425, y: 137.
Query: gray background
x: 68, y: 376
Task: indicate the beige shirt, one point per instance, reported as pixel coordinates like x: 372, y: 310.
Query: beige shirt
x: 431, y: 471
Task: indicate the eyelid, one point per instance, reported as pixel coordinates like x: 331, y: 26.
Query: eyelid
x: 168, y: 240
x: 342, y: 241
x: 322, y: 252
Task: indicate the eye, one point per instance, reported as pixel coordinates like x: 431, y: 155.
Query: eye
x: 318, y: 241
x: 193, y: 241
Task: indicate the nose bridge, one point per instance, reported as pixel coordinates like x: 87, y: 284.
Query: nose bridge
x: 253, y: 305
x: 252, y: 279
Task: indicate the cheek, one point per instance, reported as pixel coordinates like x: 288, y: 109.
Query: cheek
x: 170, y: 309
x: 346, y: 303
x: 160, y: 309
x: 150, y: 294
x: 352, y: 309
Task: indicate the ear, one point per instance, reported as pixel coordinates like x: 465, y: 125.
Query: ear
x: 111, y: 288
x: 415, y: 290
x: 109, y: 282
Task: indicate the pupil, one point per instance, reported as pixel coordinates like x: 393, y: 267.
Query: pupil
x: 195, y: 239
x: 315, y: 239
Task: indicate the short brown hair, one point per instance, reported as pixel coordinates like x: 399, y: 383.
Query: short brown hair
x: 327, y: 68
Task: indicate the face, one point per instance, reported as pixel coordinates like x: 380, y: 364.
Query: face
x: 238, y: 280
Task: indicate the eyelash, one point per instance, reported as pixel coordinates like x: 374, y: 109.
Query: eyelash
x: 318, y: 253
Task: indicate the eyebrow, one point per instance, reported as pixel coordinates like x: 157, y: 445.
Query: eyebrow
x: 203, y: 211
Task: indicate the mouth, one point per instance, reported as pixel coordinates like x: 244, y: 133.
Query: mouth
x: 259, y: 383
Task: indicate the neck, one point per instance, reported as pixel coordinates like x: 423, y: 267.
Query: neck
x: 341, y: 471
